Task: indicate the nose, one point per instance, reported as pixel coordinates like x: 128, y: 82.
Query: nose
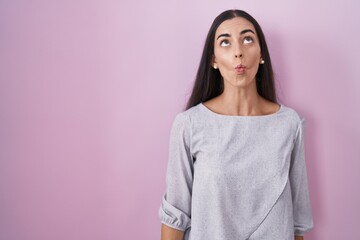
x: 238, y: 55
x: 238, y: 51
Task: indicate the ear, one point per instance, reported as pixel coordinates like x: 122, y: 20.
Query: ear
x: 261, y: 61
x: 213, y: 62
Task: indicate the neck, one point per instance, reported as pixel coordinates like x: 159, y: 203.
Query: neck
x: 241, y: 101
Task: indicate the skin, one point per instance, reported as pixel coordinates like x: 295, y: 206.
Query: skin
x: 168, y: 233
x: 234, y: 44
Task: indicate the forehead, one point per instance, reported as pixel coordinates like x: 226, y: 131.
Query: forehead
x: 234, y: 25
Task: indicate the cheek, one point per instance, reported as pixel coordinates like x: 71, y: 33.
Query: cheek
x: 254, y: 54
x: 222, y: 57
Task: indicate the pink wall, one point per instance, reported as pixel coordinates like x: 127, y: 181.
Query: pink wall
x: 88, y: 91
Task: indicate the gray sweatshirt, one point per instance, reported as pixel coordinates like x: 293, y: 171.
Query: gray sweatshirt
x: 237, y: 177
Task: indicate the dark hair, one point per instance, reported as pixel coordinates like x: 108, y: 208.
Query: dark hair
x: 209, y: 83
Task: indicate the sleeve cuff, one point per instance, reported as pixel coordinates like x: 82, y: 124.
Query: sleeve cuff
x: 173, y: 217
x: 301, y: 230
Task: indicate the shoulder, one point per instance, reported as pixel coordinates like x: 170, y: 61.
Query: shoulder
x: 292, y: 114
x: 295, y: 119
x: 182, y: 126
x: 187, y: 116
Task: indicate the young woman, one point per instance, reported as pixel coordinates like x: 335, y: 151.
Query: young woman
x: 236, y: 167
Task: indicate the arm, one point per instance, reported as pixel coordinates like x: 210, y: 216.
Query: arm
x: 303, y: 219
x: 175, y: 209
x: 168, y: 233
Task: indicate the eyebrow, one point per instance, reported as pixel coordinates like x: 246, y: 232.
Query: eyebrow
x: 241, y: 33
x: 246, y: 30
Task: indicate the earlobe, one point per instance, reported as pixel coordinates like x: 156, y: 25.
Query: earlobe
x: 213, y: 63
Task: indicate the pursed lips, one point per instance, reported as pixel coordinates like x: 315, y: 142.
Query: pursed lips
x: 240, y: 68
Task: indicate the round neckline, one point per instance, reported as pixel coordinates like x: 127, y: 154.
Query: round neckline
x: 239, y: 116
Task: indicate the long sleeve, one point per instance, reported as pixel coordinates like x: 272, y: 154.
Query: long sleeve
x: 302, y: 213
x: 175, y: 209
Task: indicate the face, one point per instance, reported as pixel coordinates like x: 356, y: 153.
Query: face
x: 237, y: 52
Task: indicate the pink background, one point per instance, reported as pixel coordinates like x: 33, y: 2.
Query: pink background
x: 89, y: 89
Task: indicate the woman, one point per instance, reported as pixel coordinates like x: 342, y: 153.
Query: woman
x: 236, y: 167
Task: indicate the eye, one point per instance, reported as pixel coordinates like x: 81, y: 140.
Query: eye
x: 247, y: 40
x: 224, y: 43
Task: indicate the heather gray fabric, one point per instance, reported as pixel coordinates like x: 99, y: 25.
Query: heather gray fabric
x: 237, y: 177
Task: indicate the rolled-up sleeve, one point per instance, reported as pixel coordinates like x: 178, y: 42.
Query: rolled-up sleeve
x: 302, y: 213
x: 175, y: 209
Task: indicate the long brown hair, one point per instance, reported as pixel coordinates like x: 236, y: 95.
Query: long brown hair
x: 209, y: 83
